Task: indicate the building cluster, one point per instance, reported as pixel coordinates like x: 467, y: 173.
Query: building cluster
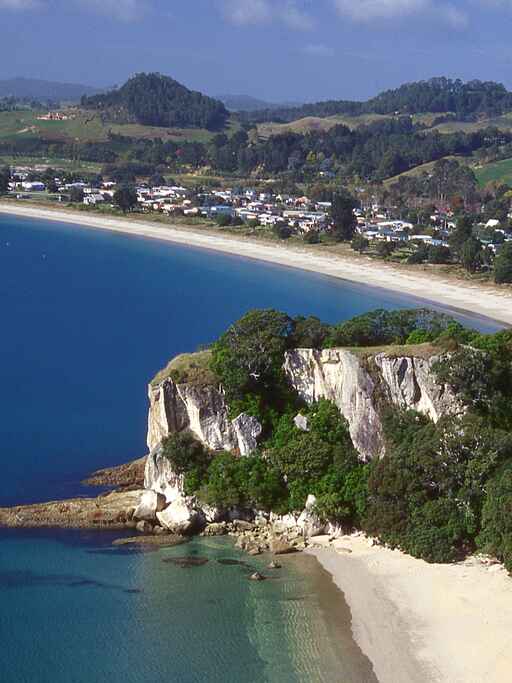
x: 300, y: 215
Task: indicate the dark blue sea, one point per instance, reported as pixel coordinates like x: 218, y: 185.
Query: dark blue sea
x: 87, y: 318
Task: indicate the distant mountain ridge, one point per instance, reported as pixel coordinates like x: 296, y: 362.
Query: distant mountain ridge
x: 37, y: 89
x: 152, y: 99
x: 437, y: 95
x: 248, y: 103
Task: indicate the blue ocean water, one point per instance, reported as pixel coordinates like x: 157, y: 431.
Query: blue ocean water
x: 87, y: 318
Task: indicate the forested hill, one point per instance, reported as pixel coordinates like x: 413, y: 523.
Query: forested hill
x: 156, y: 100
x: 437, y: 95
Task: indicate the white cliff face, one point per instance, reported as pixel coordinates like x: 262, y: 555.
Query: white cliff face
x: 160, y: 477
x: 345, y: 379
x: 203, y: 410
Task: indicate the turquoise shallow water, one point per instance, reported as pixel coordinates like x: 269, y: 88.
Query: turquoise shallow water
x: 87, y: 318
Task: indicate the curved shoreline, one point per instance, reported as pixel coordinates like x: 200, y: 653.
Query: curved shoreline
x: 420, y: 622
x: 490, y: 304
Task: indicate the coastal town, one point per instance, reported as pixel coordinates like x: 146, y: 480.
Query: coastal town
x: 377, y: 228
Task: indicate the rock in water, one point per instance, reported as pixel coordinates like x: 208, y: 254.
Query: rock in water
x: 187, y: 562
x: 257, y: 577
x: 274, y: 565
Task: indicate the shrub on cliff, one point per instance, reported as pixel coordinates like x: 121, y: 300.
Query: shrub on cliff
x: 496, y: 534
x: 426, y: 495
x: 245, y: 482
x: 188, y: 457
x: 383, y: 327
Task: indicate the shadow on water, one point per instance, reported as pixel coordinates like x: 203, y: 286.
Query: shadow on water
x: 29, y: 579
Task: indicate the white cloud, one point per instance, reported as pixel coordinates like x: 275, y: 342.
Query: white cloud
x: 368, y: 10
x: 17, y: 4
x: 373, y: 10
x: 318, y: 50
x: 125, y: 10
x: 247, y: 12
x: 454, y: 16
x: 295, y: 17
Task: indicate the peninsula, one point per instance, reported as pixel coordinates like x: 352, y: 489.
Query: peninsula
x: 367, y: 443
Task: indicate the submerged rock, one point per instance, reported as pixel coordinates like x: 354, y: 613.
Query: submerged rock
x: 187, y: 562
x: 257, y: 577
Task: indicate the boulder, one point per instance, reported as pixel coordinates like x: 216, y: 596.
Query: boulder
x: 279, y: 546
x: 216, y: 529
x: 151, y: 503
x: 180, y: 517
x: 144, y: 527
x: 242, y: 525
x: 310, y: 524
x: 301, y: 422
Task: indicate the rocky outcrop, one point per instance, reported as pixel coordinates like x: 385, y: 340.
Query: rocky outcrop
x: 112, y: 511
x: 202, y: 409
x: 361, y: 385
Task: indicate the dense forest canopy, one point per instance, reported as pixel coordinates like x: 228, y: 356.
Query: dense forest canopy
x: 156, y: 100
x: 433, y: 96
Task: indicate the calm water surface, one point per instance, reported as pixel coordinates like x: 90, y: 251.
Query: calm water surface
x: 87, y: 318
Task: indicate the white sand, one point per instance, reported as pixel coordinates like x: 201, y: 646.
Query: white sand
x: 485, y: 301
x: 418, y: 622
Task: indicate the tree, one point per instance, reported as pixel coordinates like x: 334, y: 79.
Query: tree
x: 125, y: 198
x: 439, y: 254
x: 251, y: 352
x: 282, y: 231
x: 496, y: 534
x: 5, y: 177
x: 503, y: 264
x: 52, y: 186
x: 76, y: 195
x: 343, y: 205
x: 359, y: 243
x: 470, y: 254
x: 385, y: 249
x: 461, y: 234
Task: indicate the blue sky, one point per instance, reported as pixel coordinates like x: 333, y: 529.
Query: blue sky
x: 279, y: 50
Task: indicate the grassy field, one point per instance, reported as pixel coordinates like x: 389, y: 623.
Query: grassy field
x: 84, y: 126
x: 42, y: 163
x: 424, y: 168
x: 499, y: 170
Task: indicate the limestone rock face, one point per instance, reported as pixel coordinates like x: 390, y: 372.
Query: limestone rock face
x: 360, y: 386
x: 160, y: 477
x: 203, y: 410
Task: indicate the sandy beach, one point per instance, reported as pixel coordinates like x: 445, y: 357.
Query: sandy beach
x: 484, y: 301
x: 418, y: 622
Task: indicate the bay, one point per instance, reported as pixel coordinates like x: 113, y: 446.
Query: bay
x: 87, y: 318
